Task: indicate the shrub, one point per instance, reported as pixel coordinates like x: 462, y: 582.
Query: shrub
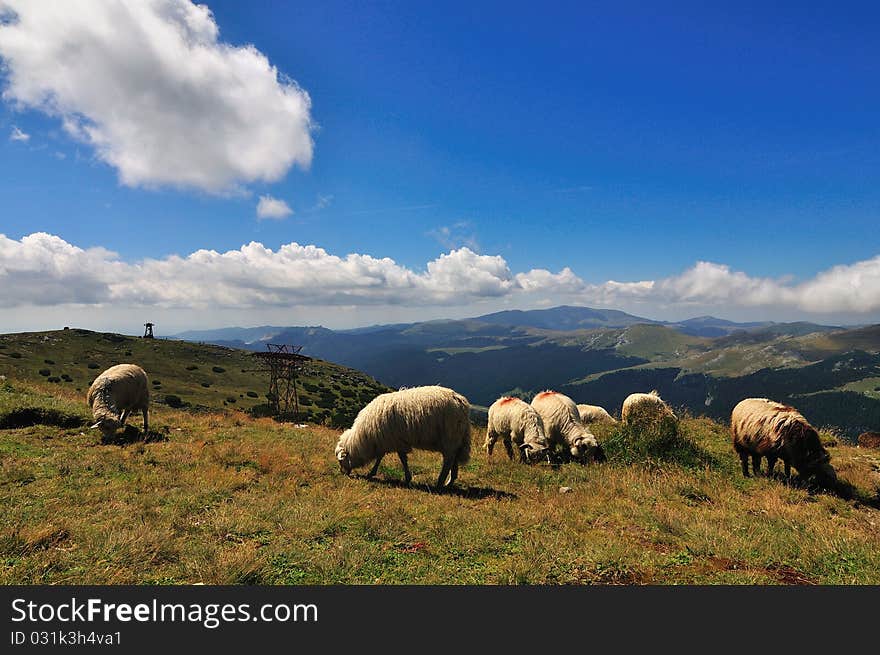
x: 49, y: 361
x: 93, y: 365
x: 156, y: 383
x: 660, y: 441
x: 253, y: 394
x: 347, y: 393
x: 218, y: 369
x: 15, y: 355
x: 45, y: 372
x: 306, y: 401
x: 173, y: 401
x: 66, y: 377
x: 192, y: 367
x: 54, y: 379
x: 232, y: 399
x: 206, y: 384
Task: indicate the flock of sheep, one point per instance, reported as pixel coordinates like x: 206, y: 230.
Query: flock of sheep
x: 436, y: 418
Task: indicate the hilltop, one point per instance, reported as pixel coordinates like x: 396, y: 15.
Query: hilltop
x: 224, y: 497
x: 182, y: 374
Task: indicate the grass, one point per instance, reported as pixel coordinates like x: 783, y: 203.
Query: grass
x: 227, y: 498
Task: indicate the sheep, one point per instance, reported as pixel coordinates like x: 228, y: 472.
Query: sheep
x: 594, y: 414
x: 764, y: 428
x: 515, y: 421
x: 428, y: 418
x: 115, y: 393
x: 562, y: 425
x: 645, y: 408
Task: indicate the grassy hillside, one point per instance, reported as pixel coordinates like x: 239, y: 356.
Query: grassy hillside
x: 226, y: 498
x: 180, y: 372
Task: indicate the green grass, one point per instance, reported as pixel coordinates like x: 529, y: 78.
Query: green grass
x: 227, y: 498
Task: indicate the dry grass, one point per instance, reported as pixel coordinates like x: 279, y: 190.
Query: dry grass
x: 224, y: 498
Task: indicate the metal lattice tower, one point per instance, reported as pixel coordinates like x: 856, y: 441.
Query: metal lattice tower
x: 282, y: 362
x: 148, y: 330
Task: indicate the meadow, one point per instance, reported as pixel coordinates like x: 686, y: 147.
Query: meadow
x: 220, y: 497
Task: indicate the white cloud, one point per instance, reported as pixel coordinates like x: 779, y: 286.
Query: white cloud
x: 151, y: 87
x: 44, y: 270
x: 18, y: 135
x: 273, y: 208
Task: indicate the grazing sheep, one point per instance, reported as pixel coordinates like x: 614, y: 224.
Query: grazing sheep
x: 594, y: 414
x: 562, y: 425
x: 516, y: 422
x: 641, y: 408
x: 764, y: 428
x: 869, y: 440
x: 117, y: 392
x: 429, y: 418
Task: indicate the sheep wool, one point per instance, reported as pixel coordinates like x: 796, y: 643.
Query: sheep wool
x: 639, y: 408
x: 761, y: 427
x: 428, y: 418
x: 562, y: 425
x: 594, y: 414
x: 514, y: 421
x: 117, y: 392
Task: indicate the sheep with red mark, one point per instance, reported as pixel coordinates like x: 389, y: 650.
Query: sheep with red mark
x: 764, y: 428
x: 514, y: 421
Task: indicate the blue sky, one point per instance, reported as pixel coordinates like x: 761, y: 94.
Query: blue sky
x: 621, y: 141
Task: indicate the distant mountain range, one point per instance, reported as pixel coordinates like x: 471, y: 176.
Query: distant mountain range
x: 705, y: 364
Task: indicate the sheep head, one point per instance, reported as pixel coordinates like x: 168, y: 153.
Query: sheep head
x: 107, y: 425
x: 586, y: 449
x: 342, y: 455
x: 534, y: 451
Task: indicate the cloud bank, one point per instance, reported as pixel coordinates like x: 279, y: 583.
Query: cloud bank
x: 45, y: 270
x: 152, y: 88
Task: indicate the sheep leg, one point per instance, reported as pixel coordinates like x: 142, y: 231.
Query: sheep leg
x: 491, y: 438
x: 744, y: 459
x: 407, y: 474
x: 445, y: 469
x: 453, y: 474
x: 787, y: 468
x: 509, y: 448
x: 146, y: 421
x: 124, y: 416
x: 756, y: 464
x: 375, y: 468
x: 771, y: 462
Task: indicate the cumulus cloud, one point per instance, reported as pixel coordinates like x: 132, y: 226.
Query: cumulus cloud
x: 152, y: 88
x: 44, y: 270
x: 18, y: 135
x: 273, y: 208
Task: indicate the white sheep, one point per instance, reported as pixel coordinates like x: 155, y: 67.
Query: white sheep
x: 594, y: 414
x: 643, y: 409
x: 117, y: 392
x: 562, y: 425
x: 428, y: 418
x: 514, y: 421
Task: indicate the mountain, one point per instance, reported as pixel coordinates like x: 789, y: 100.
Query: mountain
x: 595, y: 354
x: 564, y: 318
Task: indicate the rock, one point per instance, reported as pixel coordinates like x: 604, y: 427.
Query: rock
x: 564, y: 490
